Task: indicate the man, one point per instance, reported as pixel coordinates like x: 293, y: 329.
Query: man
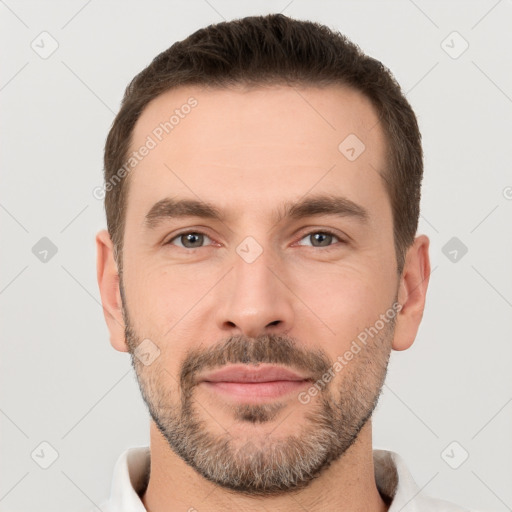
x: 262, y: 184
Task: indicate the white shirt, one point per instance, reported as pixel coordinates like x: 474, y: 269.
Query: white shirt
x: 391, y: 475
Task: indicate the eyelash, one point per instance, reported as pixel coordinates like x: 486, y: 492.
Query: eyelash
x: 309, y: 233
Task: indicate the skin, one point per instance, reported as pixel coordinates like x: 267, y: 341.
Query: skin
x: 247, y: 152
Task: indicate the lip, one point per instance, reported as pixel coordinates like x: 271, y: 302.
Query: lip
x: 253, y: 374
x: 254, y: 384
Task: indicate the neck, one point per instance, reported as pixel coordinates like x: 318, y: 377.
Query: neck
x: 348, y: 484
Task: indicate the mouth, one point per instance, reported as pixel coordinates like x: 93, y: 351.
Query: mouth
x: 255, y: 384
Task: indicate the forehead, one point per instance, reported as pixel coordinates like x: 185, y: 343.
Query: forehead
x: 251, y: 146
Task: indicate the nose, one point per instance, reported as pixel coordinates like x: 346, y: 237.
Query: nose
x: 256, y: 298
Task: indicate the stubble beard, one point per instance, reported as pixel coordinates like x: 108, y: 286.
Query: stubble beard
x: 265, y: 465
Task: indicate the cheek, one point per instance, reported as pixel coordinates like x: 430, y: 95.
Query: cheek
x: 168, y: 306
x: 163, y: 295
x: 343, y: 301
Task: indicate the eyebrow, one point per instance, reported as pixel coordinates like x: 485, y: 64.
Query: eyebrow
x: 169, y: 208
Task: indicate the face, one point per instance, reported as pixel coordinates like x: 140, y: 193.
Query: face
x: 255, y: 243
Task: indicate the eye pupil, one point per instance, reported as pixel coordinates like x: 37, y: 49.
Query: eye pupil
x: 323, y: 238
x: 195, y: 239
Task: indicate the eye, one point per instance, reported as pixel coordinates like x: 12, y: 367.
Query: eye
x: 189, y: 240
x: 321, y: 238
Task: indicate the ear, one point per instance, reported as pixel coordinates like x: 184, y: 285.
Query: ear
x: 412, y: 292
x: 108, y: 282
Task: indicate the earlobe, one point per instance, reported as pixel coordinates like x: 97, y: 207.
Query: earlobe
x: 108, y: 282
x: 412, y: 293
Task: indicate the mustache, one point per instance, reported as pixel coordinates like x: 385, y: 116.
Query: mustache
x: 240, y: 349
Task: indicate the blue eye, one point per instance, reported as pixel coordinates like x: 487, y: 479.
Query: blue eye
x: 189, y: 240
x: 197, y: 239
x: 322, y: 238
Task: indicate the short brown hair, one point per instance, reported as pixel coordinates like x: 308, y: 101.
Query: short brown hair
x: 269, y: 50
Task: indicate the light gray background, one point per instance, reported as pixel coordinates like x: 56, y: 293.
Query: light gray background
x: 62, y: 382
